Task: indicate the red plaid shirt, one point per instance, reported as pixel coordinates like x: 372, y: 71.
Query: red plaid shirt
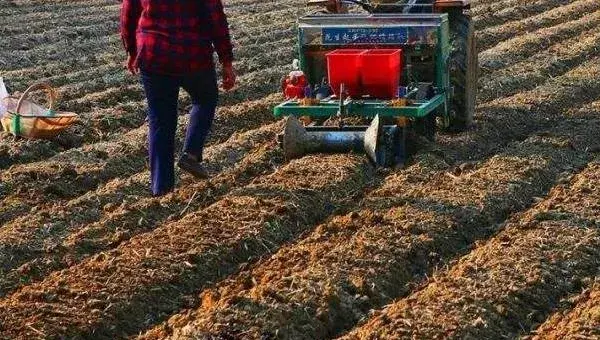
x: 175, y: 37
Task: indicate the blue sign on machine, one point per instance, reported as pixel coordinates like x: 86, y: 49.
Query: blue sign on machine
x: 364, y: 35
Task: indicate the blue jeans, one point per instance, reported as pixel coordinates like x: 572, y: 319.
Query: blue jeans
x: 162, y: 93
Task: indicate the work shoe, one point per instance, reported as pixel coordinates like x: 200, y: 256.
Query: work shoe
x: 193, y: 167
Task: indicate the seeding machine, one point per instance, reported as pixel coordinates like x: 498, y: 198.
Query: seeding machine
x: 370, y: 76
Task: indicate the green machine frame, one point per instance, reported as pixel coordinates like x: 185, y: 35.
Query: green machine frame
x: 424, y: 39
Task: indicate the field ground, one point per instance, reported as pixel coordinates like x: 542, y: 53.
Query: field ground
x: 490, y: 233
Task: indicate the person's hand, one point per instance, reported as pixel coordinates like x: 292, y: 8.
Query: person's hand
x: 228, y: 77
x: 131, y: 66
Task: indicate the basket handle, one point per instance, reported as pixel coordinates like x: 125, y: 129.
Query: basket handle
x: 50, y: 93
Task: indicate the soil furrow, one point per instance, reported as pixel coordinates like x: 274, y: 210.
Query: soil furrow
x: 14, y: 151
x: 116, y: 86
x: 109, y: 66
x: 36, y: 29
x: 88, y: 45
x: 40, y: 6
x: 108, y: 70
x: 46, y: 20
x: 61, y: 73
x: 581, y: 322
x: 113, y: 110
x: 93, y: 26
x: 324, y: 284
x: 68, y: 174
x: 541, y: 67
x: 252, y: 86
x: 20, y: 152
x: 60, y: 50
x: 117, y: 292
x: 105, y: 21
x: 20, y: 78
x: 91, y: 23
x: 512, y: 13
x: 74, y: 87
x: 589, y: 110
x: 31, y: 9
x: 510, y: 283
x: 515, y: 117
x: 56, y: 238
x: 479, y: 7
x: 524, y: 46
x: 72, y: 173
x: 492, y: 36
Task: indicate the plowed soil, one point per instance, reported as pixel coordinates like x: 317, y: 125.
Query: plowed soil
x: 580, y: 320
x: 490, y: 233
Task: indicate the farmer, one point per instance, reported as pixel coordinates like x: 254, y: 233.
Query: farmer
x: 171, y: 43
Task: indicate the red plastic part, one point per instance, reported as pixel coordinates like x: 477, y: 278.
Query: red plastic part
x: 343, y: 66
x: 380, y: 72
x: 294, y: 84
x: 293, y: 92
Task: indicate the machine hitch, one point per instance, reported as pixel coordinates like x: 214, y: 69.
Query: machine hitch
x: 383, y: 144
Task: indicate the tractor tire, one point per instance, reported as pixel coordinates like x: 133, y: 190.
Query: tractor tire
x: 463, y: 71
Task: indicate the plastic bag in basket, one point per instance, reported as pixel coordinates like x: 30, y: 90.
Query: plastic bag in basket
x: 3, y: 94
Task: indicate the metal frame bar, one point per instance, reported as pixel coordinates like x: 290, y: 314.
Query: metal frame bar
x: 365, y: 108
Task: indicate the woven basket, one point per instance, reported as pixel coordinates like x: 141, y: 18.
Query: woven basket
x: 27, y: 119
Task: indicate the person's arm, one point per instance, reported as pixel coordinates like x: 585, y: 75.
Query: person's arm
x: 220, y: 33
x: 131, y: 10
